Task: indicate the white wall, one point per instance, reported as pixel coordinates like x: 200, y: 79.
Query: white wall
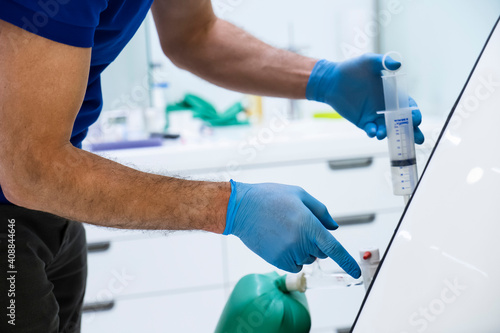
x: 440, y: 42
x: 318, y: 28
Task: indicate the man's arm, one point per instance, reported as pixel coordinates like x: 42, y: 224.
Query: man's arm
x: 196, y: 40
x: 216, y: 50
x: 42, y: 85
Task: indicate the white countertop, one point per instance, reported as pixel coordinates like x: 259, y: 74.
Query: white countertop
x: 245, y: 146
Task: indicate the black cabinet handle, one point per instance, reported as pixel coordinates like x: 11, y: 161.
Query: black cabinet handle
x: 98, y: 306
x: 98, y: 247
x: 351, y: 163
x: 355, y: 219
x: 344, y: 330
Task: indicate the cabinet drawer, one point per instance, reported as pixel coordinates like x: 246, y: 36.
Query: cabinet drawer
x: 179, y: 261
x: 376, y: 233
x: 185, y: 312
x: 344, y: 186
x: 333, y: 309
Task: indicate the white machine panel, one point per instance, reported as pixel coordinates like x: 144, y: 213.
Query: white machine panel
x: 442, y: 270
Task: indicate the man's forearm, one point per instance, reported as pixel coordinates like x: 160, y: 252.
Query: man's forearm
x: 230, y: 57
x: 85, y: 187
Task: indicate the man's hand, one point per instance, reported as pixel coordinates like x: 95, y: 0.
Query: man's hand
x: 354, y: 89
x: 285, y: 226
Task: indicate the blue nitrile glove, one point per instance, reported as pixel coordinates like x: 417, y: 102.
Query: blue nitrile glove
x: 354, y: 89
x: 285, y: 226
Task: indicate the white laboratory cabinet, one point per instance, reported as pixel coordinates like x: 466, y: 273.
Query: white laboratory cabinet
x: 179, y: 281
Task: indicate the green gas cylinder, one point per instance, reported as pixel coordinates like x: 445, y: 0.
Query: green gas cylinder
x: 261, y: 303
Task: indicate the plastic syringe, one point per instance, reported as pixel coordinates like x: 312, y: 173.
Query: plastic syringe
x: 400, y: 137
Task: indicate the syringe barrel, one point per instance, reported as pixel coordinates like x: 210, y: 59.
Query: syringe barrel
x: 400, y: 137
x: 401, y: 142
x: 404, y: 179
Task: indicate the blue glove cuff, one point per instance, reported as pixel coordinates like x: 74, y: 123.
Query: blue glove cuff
x: 231, y: 209
x: 315, y: 90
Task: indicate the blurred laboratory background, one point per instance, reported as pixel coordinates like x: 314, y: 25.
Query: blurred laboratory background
x: 439, y: 42
x: 180, y: 282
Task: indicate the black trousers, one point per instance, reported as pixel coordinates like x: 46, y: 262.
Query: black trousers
x: 43, y: 271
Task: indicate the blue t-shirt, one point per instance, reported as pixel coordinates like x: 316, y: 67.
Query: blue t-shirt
x: 105, y: 25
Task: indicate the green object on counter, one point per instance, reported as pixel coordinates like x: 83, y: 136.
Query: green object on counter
x: 327, y: 115
x: 207, y: 112
x: 260, y: 303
